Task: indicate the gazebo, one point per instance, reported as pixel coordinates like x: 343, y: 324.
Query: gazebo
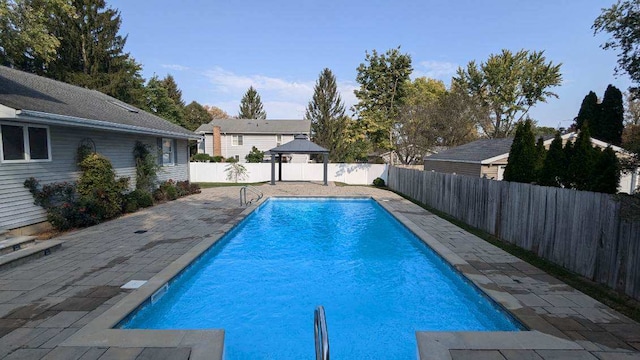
x: 299, y: 145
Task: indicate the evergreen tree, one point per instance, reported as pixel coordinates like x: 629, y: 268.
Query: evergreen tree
x: 251, y: 106
x: 173, y: 91
x: 326, y: 112
x: 582, y: 161
x: 589, y: 111
x: 611, y: 121
x: 195, y: 115
x: 606, y: 172
x: 568, y: 180
x: 522, y: 156
x: 554, y: 165
x: 158, y: 102
x: 255, y: 155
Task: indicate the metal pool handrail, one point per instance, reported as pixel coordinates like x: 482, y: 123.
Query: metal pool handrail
x: 321, y: 335
x: 243, y: 195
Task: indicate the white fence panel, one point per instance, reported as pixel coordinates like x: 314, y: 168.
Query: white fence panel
x: 353, y: 174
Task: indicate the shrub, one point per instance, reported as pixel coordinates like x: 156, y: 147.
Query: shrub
x: 217, y: 158
x: 201, y: 158
x: 378, y: 182
x: 98, y: 183
x: 146, y: 166
x: 255, y: 155
x: 231, y: 160
x: 130, y: 204
x: 185, y: 188
x: 159, y: 195
x: 143, y: 198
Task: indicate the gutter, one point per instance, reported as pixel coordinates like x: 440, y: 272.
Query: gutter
x: 63, y: 120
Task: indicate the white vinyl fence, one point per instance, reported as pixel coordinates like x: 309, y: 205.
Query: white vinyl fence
x: 353, y: 174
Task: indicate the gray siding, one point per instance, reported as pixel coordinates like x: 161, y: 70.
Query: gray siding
x: 16, y: 203
x: 452, y: 167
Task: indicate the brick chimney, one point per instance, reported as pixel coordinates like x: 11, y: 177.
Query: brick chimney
x: 217, y: 143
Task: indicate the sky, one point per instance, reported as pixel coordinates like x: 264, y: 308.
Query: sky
x: 216, y: 49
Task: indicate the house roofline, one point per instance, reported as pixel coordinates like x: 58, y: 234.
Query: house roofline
x: 64, y: 120
x: 455, y: 161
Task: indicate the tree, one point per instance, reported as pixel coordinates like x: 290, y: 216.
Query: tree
x: 255, y: 155
x: 326, y: 112
x: 541, y: 154
x: 621, y: 22
x: 589, y: 111
x: 632, y: 110
x: 522, y: 156
x: 216, y: 112
x: 158, y: 102
x: 606, y: 175
x: 553, y: 168
x: 173, y: 91
x: 582, y: 161
x: 611, y: 121
x: 383, y: 82
x: 631, y: 142
x: 508, y: 85
x: 26, y: 41
x: 195, y: 115
x: 251, y: 106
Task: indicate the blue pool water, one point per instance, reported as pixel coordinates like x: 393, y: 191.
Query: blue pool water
x: 377, y: 281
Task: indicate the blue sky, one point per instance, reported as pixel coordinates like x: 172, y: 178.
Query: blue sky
x: 216, y: 49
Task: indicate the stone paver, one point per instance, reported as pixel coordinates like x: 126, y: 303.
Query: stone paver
x: 45, y: 301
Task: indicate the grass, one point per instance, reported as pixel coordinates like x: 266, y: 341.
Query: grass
x: 613, y: 299
x: 206, y: 185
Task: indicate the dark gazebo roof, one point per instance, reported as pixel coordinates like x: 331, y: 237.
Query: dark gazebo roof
x: 299, y: 145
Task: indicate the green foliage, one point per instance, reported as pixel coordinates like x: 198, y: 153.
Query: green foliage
x: 522, y: 156
x: 328, y: 121
x: 508, y: 85
x: 142, y: 198
x: 173, y: 91
x: 554, y: 166
x: 631, y: 142
x: 383, y: 80
x: 236, y: 172
x: 195, y: 115
x: 582, y: 161
x: 158, y: 102
x: 251, y: 106
x: 255, y: 155
x: 378, y: 182
x: 201, y: 158
x: 589, y: 111
x: 621, y: 22
x: 82, y: 152
x: 541, y: 154
x: 98, y: 183
x: 606, y: 175
x: 231, y: 159
x: 217, y: 158
x: 146, y: 167
x: 611, y: 122
x: 171, y: 190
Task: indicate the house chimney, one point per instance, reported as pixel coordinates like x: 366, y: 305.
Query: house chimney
x: 217, y: 143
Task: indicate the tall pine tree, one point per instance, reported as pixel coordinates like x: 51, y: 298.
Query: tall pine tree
x: 173, y: 91
x: 589, y: 111
x: 522, y: 156
x: 582, y: 161
x: 251, y: 106
x: 606, y: 177
x: 611, y: 122
x: 326, y: 112
x: 158, y: 102
x: 554, y: 166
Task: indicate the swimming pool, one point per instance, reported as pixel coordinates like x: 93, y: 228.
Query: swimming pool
x: 377, y: 281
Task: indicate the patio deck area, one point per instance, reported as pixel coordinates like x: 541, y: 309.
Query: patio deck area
x: 46, y: 302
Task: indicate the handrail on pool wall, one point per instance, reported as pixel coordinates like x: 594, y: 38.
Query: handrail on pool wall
x: 243, y: 191
x: 321, y: 335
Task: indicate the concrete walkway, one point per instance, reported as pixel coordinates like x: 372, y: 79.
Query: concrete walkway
x: 46, y: 301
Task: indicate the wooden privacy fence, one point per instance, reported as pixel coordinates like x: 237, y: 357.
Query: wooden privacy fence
x: 593, y: 234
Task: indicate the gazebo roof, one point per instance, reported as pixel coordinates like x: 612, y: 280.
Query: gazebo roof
x: 299, y: 145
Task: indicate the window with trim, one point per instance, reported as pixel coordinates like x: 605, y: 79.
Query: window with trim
x: 168, y: 152
x: 24, y: 143
x: 236, y: 140
x: 278, y: 140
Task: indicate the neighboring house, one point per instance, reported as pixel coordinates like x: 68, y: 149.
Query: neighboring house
x: 488, y: 158
x: 42, y: 123
x: 234, y: 138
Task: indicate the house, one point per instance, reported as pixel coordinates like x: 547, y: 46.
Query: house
x: 488, y: 158
x: 43, y: 122
x: 234, y: 138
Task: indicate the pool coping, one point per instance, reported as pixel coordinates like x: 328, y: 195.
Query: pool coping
x: 209, y: 344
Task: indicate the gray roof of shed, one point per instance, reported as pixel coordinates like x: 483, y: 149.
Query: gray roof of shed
x: 254, y: 126
x: 32, y: 93
x: 475, y: 151
x: 299, y: 145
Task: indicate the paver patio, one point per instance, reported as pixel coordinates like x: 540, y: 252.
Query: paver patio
x: 46, y: 301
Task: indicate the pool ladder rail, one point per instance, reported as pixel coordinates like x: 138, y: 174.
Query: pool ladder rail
x: 321, y: 335
x: 243, y: 195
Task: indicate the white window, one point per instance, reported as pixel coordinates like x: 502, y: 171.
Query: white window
x: 236, y: 140
x: 168, y: 152
x: 278, y: 140
x: 22, y: 143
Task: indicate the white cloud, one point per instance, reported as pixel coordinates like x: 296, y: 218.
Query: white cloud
x: 282, y: 99
x: 175, y: 67
x: 441, y: 70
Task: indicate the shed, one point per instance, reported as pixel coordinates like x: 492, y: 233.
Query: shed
x: 299, y: 145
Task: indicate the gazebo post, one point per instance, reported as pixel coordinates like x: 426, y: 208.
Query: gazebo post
x: 273, y: 169
x: 326, y: 161
x: 279, y: 167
